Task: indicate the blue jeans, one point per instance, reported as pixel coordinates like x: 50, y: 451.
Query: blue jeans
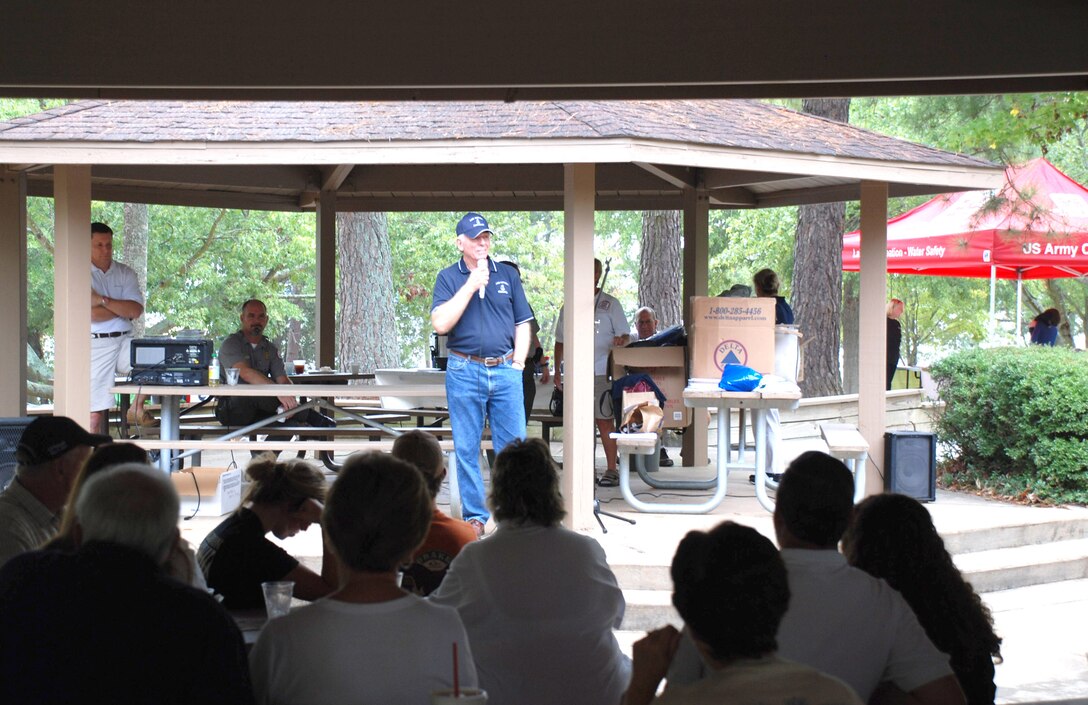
x: 474, y: 391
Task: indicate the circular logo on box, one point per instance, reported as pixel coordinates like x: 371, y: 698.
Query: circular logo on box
x: 730, y: 352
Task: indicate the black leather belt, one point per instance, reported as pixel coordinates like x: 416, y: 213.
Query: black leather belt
x: 115, y: 334
x: 485, y: 361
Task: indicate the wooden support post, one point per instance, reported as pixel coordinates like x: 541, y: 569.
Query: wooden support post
x: 72, y: 286
x: 872, y: 329
x: 13, y: 279
x: 696, y: 280
x: 579, y: 194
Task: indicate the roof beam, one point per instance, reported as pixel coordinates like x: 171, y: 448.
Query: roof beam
x: 678, y: 176
x: 759, y: 48
x: 714, y: 179
x: 333, y: 176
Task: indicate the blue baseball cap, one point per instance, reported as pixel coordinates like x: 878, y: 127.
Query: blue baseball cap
x: 472, y: 225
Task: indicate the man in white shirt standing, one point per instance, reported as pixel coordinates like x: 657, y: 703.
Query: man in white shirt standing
x: 115, y: 301
x: 611, y: 330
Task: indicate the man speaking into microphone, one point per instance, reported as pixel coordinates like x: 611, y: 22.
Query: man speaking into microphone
x: 482, y: 309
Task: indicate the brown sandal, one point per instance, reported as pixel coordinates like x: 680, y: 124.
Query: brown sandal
x: 610, y: 478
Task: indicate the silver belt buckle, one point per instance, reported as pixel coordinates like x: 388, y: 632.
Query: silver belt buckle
x: 492, y: 361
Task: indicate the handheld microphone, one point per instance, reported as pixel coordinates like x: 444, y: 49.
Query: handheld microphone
x: 482, y: 263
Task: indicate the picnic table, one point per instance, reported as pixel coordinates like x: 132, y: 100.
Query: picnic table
x: 322, y: 397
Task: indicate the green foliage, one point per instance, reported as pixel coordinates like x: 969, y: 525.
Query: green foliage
x: 1017, y: 420
x: 744, y: 242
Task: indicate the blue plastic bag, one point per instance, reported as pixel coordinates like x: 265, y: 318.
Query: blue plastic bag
x: 739, y: 378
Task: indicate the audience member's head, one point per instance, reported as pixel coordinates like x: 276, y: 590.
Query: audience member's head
x: 378, y: 513
x: 729, y: 585
x: 892, y: 536
x: 50, y: 454
x: 894, y: 309
x: 525, y: 485
x: 766, y: 282
x: 132, y: 505
x: 742, y: 291
x: 104, y: 456
x: 288, y: 483
x: 815, y: 498
x: 645, y: 322
x: 421, y: 449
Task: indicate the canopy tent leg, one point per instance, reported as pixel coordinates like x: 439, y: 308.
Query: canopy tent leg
x: 993, y: 302
x: 1019, y: 304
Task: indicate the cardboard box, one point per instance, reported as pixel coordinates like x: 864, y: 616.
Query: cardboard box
x: 220, y: 490
x: 667, y: 367
x: 730, y: 330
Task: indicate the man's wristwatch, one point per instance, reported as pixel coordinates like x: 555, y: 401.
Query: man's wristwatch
x: 104, y: 300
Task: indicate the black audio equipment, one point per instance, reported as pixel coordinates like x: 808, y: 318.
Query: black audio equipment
x: 910, y: 464
x: 171, y: 361
x: 11, y: 432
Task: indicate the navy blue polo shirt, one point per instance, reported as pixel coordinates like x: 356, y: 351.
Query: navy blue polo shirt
x: 486, y: 328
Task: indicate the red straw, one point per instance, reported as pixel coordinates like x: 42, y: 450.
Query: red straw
x: 456, y: 676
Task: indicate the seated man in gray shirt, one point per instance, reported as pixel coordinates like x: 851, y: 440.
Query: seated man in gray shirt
x: 258, y: 362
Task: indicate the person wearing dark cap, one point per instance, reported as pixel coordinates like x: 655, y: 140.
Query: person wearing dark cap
x: 482, y: 309
x: 50, y: 453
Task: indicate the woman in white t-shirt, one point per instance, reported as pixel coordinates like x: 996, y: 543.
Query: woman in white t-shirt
x: 539, y: 601
x: 370, y: 641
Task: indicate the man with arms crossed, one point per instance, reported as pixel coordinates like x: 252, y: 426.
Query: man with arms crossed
x: 482, y: 308
x: 115, y: 301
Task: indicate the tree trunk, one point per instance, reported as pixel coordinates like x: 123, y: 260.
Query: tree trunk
x: 368, y: 333
x: 660, y: 266
x: 134, y: 253
x: 850, y: 329
x: 817, y: 275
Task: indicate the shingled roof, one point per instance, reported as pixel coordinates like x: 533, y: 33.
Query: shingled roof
x: 450, y: 155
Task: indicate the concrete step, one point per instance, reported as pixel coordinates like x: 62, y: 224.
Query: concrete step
x: 973, y: 540
x: 1019, y: 566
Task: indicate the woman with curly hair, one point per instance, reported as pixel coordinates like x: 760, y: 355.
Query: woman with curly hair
x: 892, y: 537
x: 284, y: 499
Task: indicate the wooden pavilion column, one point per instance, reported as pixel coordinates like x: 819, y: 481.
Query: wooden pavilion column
x: 872, y: 328
x: 71, y: 285
x: 13, y: 278
x: 576, y: 482
x: 696, y: 281
x: 325, y: 307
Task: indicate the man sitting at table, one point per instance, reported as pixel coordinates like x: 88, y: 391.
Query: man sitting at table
x: 106, y: 624
x: 258, y: 362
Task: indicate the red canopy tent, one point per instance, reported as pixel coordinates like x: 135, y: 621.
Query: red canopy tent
x: 1035, y: 227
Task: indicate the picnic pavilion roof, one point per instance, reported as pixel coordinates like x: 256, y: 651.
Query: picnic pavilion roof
x: 388, y: 156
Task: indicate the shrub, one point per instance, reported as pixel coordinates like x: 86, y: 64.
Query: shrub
x: 1016, y: 419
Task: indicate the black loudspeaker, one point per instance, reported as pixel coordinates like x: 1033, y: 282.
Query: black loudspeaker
x: 910, y: 464
x: 11, y: 431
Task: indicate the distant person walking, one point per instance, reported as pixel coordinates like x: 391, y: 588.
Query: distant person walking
x: 895, y: 339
